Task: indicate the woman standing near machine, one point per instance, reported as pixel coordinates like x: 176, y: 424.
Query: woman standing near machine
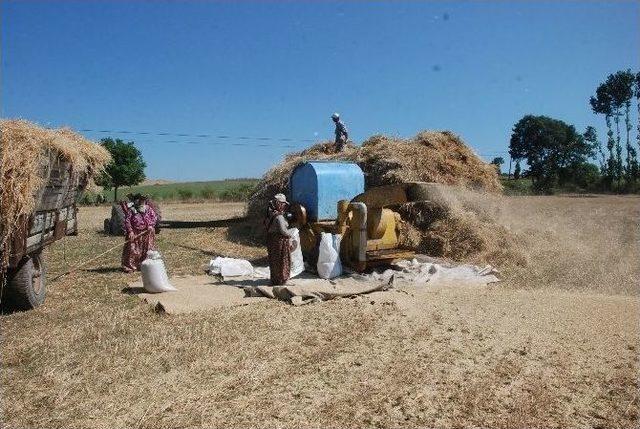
x: 279, y: 243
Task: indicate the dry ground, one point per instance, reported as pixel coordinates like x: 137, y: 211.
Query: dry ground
x: 555, y: 345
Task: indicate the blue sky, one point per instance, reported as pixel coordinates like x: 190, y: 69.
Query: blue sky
x: 279, y: 69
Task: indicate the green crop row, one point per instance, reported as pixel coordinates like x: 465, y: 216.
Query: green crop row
x: 219, y: 190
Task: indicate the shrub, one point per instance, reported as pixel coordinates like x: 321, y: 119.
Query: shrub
x: 87, y: 198
x: 238, y: 193
x: 517, y: 186
x: 208, y: 193
x: 185, y: 194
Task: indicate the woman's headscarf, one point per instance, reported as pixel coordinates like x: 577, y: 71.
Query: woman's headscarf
x: 272, y: 212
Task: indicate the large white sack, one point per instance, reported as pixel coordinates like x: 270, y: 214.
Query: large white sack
x: 154, y: 274
x: 297, y: 262
x: 329, y: 265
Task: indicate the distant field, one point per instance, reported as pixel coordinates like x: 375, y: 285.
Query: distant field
x: 226, y: 190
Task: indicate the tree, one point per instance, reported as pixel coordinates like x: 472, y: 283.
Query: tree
x: 637, y: 95
x: 497, y: 161
x: 602, y: 104
x: 550, y: 147
x: 585, y: 175
x: 620, y: 86
x: 612, y: 97
x: 516, y: 171
x: 591, y: 136
x: 126, y: 167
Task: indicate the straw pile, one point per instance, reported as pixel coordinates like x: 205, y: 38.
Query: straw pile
x: 453, y: 226
x: 25, y: 152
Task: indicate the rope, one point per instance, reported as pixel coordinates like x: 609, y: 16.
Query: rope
x: 96, y: 257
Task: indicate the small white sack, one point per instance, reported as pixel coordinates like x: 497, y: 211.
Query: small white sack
x: 329, y: 265
x: 297, y: 262
x: 230, y: 267
x: 154, y: 274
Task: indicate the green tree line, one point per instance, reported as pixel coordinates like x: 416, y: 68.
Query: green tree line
x: 559, y: 157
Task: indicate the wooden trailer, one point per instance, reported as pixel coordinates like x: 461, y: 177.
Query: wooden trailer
x: 55, y: 216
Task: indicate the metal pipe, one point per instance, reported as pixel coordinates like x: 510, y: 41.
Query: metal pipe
x: 361, y: 208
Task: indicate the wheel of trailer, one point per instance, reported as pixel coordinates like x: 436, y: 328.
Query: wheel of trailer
x: 26, y: 288
x: 117, y: 219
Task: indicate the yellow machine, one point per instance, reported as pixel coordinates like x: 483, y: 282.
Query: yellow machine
x: 370, y: 229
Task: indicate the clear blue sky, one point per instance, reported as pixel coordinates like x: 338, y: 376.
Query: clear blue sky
x: 279, y: 69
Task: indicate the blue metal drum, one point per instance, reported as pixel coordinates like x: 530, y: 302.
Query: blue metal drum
x: 319, y: 185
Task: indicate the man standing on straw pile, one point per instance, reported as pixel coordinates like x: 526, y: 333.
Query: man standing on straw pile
x: 139, y: 225
x: 341, y: 132
x: 279, y: 243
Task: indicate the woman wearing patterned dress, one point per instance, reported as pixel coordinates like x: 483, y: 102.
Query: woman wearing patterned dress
x: 139, y: 225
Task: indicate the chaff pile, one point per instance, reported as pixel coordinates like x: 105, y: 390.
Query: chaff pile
x: 25, y: 152
x: 456, y: 226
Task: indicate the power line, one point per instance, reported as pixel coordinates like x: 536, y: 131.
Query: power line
x: 226, y: 139
x: 214, y: 136
x: 206, y: 142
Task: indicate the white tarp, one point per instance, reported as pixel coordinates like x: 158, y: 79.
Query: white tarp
x: 427, y: 273
x: 231, y: 267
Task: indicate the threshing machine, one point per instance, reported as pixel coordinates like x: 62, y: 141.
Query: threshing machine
x: 330, y: 197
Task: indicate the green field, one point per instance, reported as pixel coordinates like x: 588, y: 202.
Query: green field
x: 224, y: 190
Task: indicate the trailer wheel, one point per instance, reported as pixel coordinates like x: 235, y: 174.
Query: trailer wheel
x: 107, y: 226
x: 26, y: 288
x: 117, y: 220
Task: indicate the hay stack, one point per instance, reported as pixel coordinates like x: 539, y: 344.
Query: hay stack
x: 452, y: 226
x: 430, y: 156
x: 25, y: 151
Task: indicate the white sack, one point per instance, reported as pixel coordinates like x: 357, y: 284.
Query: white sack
x: 230, y: 267
x: 297, y: 263
x: 154, y: 274
x: 329, y: 265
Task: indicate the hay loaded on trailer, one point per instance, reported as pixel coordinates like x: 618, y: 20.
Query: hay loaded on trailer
x: 44, y: 173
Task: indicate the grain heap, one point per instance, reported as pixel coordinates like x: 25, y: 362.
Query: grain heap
x: 25, y: 152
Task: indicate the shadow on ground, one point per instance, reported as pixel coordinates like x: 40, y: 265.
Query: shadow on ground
x: 245, y: 233
x: 104, y: 270
x: 133, y: 290
x: 221, y: 223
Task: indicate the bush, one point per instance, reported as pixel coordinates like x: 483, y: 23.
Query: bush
x: 517, y: 186
x: 185, y: 194
x: 585, y: 176
x: 238, y: 193
x: 87, y: 199
x: 208, y: 193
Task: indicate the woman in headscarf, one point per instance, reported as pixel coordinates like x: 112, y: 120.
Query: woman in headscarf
x: 139, y: 226
x: 279, y: 243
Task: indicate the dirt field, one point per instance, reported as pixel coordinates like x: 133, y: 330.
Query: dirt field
x: 554, y: 345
